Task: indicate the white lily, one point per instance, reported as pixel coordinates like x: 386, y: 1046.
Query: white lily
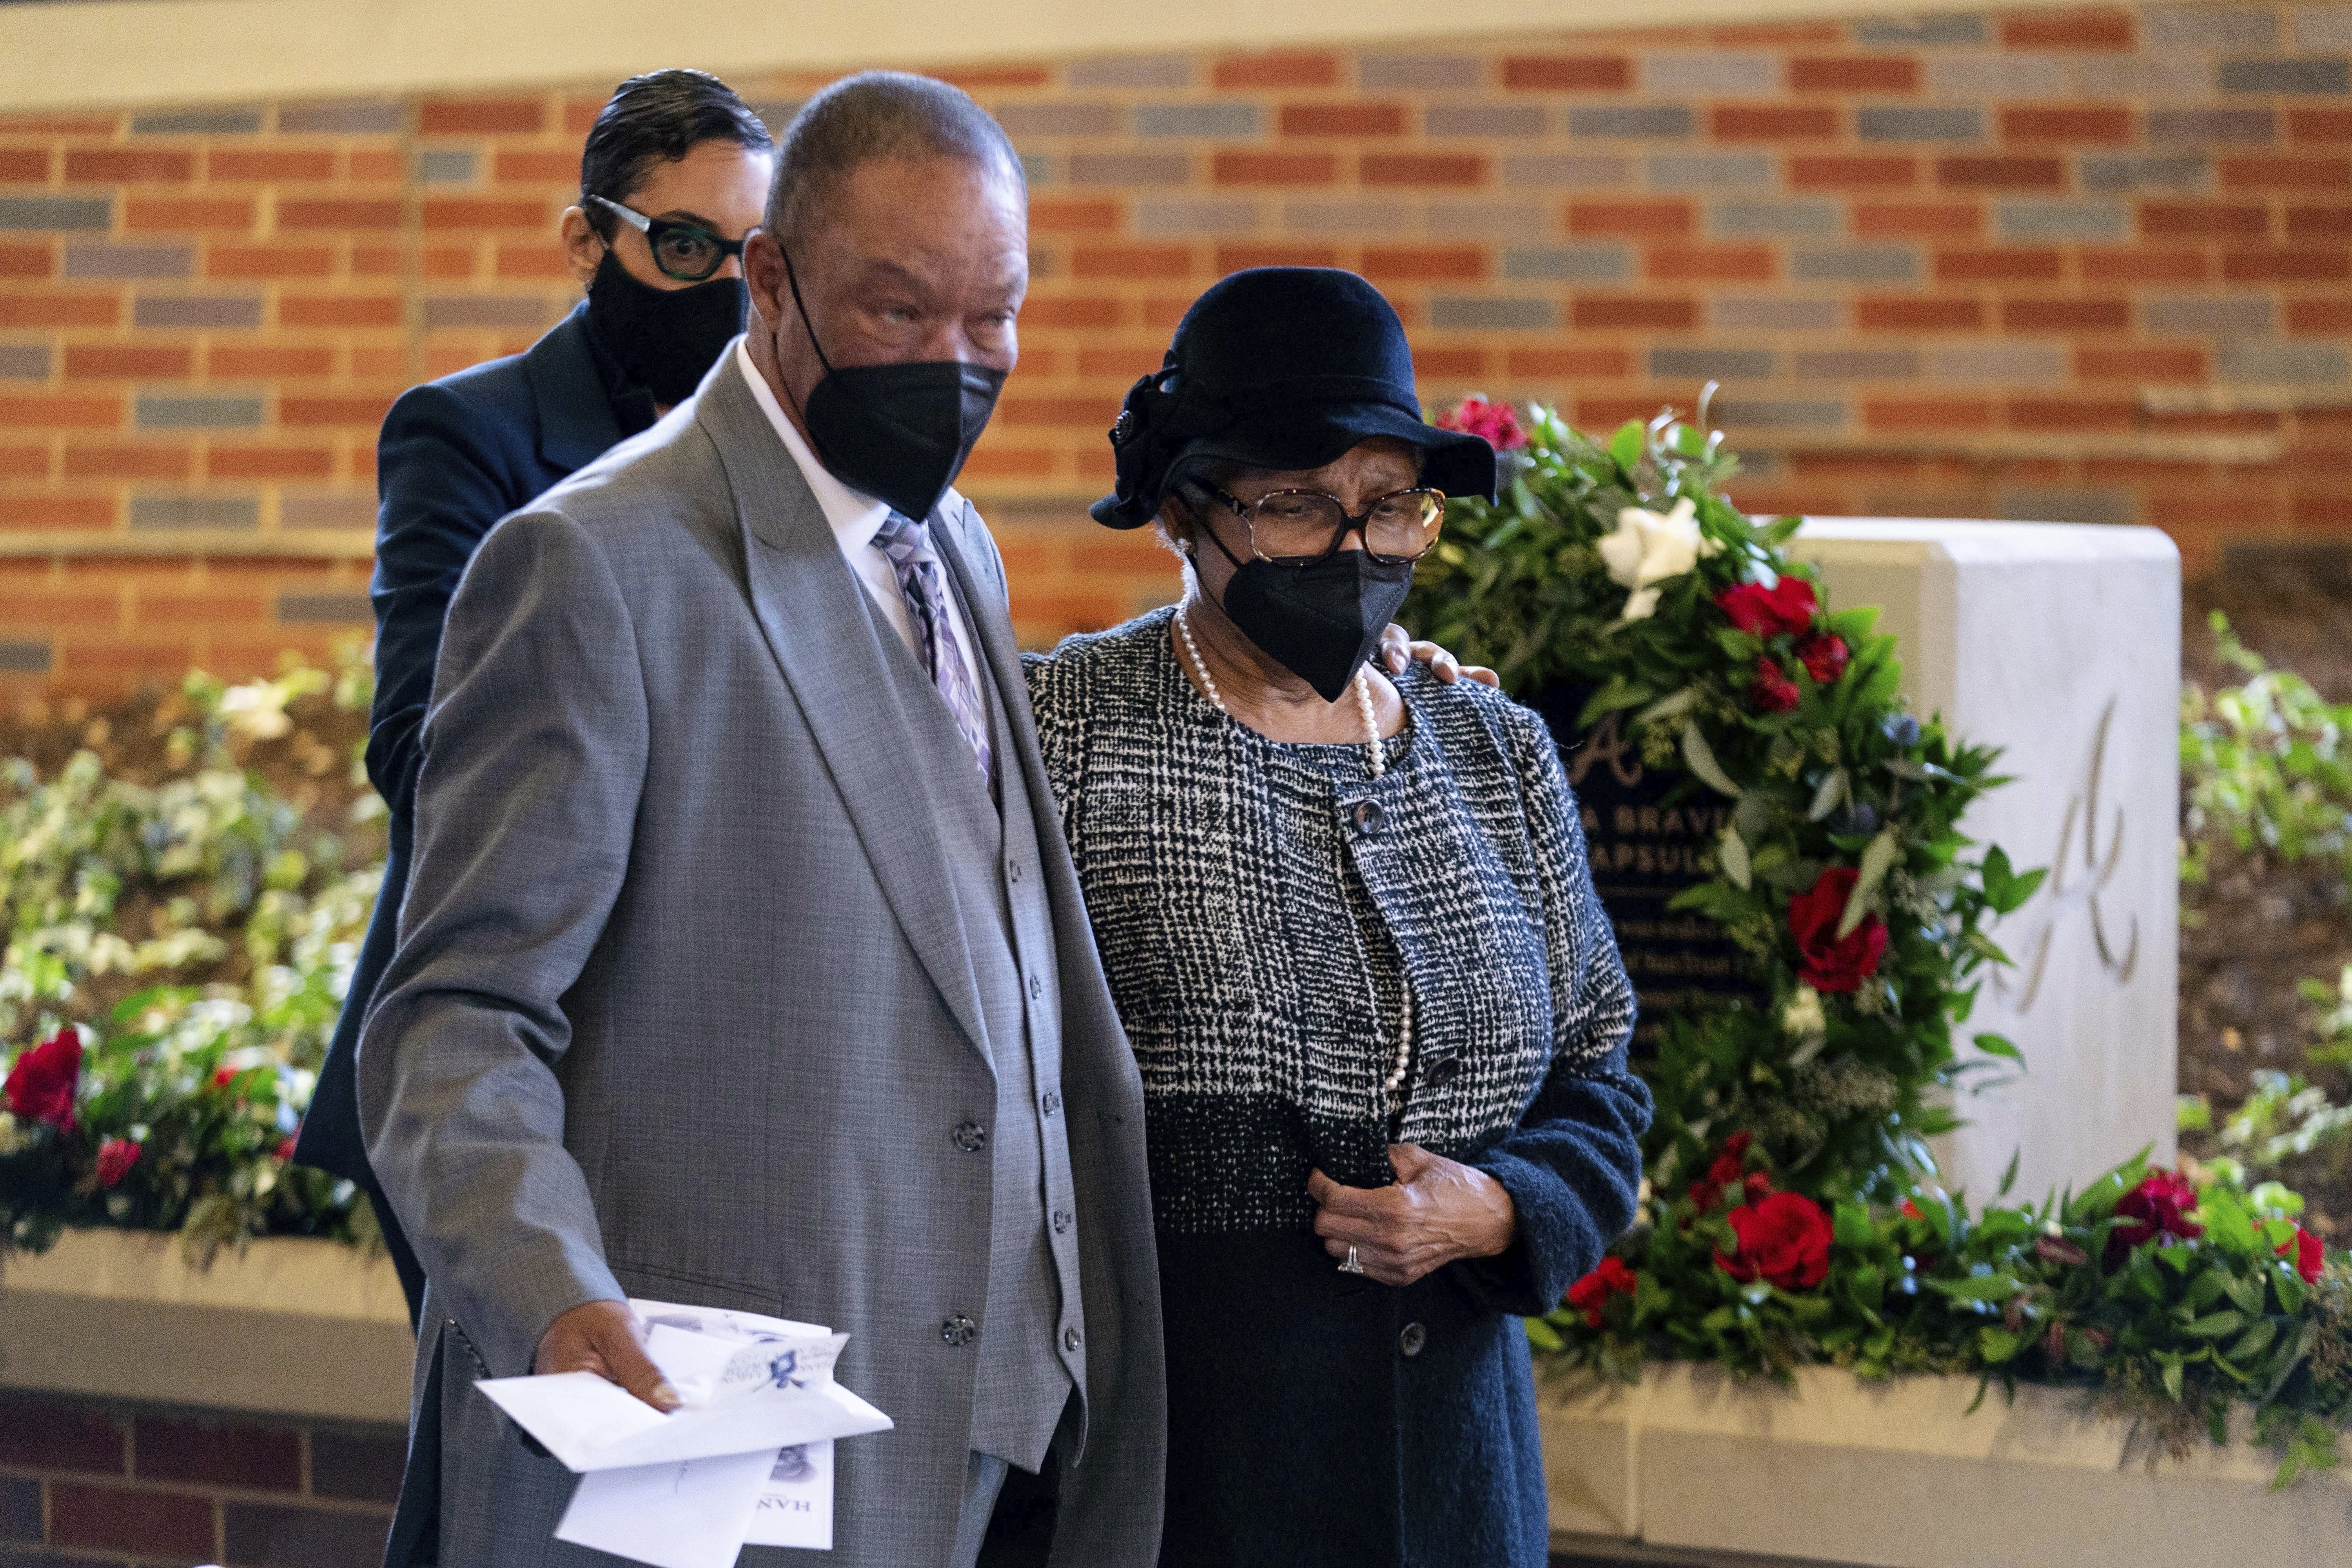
x: 1803, y: 1015
x: 1648, y: 549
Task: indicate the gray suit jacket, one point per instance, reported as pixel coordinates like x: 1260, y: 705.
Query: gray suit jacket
x: 677, y: 1012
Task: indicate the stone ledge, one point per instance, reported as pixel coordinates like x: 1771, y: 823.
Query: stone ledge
x: 1899, y: 1475
x: 288, y: 1326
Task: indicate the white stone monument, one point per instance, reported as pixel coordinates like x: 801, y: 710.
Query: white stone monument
x: 2061, y: 644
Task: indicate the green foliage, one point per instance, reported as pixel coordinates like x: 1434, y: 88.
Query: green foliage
x: 1846, y: 1086
x: 2264, y: 764
x: 200, y: 935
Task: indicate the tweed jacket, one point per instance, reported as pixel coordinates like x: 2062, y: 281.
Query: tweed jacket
x: 678, y: 1009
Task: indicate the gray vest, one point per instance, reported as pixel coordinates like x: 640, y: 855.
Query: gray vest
x: 1031, y: 1347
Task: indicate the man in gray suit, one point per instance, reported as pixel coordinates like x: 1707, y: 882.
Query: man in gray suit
x: 742, y: 962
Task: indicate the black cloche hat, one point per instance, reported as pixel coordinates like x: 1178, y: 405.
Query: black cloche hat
x: 1280, y: 367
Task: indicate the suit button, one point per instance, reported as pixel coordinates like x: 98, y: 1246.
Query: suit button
x: 1413, y: 1339
x: 971, y: 1137
x: 1037, y: 988
x: 1053, y: 1102
x: 1367, y: 818
x: 1071, y: 1341
x: 1061, y: 1221
x: 1013, y: 867
x: 1439, y: 1071
x: 958, y: 1330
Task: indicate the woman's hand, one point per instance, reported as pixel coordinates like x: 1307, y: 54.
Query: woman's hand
x: 1398, y: 650
x: 1439, y: 1210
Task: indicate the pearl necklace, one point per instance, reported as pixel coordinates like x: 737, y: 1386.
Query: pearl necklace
x: 1392, y: 1087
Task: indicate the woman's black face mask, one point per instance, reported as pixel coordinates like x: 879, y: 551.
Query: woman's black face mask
x: 898, y: 432
x: 1319, y: 620
x: 664, y: 340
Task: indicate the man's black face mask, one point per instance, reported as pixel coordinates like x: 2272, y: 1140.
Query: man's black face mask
x: 898, y: 432
x: 664, y: 340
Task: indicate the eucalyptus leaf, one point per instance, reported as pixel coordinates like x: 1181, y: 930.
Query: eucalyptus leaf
x: 1826, y: 795
x: 1876, y: 861
x: 1700, y: 756
x: 1734, y: 853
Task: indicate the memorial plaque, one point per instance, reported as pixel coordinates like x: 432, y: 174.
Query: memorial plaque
x: 1650, y: 833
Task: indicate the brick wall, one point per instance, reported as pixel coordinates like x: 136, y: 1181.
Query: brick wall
x: 2090, y: 265
x: 84, y: 1481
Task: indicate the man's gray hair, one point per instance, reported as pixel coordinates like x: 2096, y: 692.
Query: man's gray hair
x: 877, y: 114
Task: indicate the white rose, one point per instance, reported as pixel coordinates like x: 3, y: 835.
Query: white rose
x: 1803, y: 1017
x: 1648, y: 549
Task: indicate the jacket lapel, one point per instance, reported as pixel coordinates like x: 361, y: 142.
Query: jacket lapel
x: 576, y: 418
x: 813, y: 613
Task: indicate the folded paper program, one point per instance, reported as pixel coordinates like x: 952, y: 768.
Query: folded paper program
x: 685, y: 1490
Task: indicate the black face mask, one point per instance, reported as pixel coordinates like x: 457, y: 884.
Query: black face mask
x: 1319, y: 621
x: 898, y: 432
x: 664, y: 340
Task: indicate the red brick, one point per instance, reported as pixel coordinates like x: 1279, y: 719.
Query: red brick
x: 1431, y: 361
x: 135, y: 462
x: 37, y: 412
x: 1089, y: 411
x: 1639, y: 219
x: 1070, y: 313
x: 1423, y: 169
x: 2286, y: 173
x: 1907, y: 220
x: 117, y: 1519
x: 59, y: 124
x: 2323, y: 511
x: 2101, y: 125
x: 365, y: 412
x: 260, y: 363
x: 187, y: 214
x: 26, y: 262
x: 1276, y: 169
x: 1927, y: 414
x: 1132, y: 262
x: 381, y: 165
x: 126, y: 359
x: 1343, y: 120
x: 1890, y: 313
x: 42, y: 513
x: 1767, y: 35
x: 519, y: 166
x: 1236, y: 257
x: 1071, y: 217
x: 2203, y: 220
x: 1579, y: 363
x: 1630, y: 310
x: 341, y: 311
x: 58, y: 310
x: 2144, y: 264
x: 1854, y: 73
x: 439, y: 261
x: 269, y: 462
x: 2139, y: 364
x: 1852, y: 173
x: 1567, y: 73
x: 338, y: 215
x: 231, y: 164
x: 479, y: 211
x: 2066, y: 315
x: 24, y: 462
x: 2319, y: 127
x: 972, y: 78
x: 24, y: 166
x: 2000, y: 173
x: 2306, y: 266
x: 1277, y: 71
x: 41, y: 1434
x: 521, y: 261
x: 2318, y: 223
x: 2100, y: 29
x: 1760, y: 122
x: 269, y: 261
x: 1712, y: 263
x: 118, y: 165
x: 580, y: 113
x: 1399, y: 264
x: 2070, y: 413
x: 2009, y: 265
x: 480, y: 116
x: 1010, y: 463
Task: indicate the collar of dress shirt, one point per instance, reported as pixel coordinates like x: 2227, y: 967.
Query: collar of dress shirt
x: 853, y: 514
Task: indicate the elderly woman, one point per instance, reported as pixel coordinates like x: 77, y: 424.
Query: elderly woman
x: 1349, y: 927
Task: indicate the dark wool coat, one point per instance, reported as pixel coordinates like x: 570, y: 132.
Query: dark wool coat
x: 1270, y: 919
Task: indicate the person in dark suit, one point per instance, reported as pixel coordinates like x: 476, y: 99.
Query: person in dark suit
x: 673, y: 175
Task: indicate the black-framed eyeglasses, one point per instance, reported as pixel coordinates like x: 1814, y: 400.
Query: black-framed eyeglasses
x: 685, y: 251
x: 1307, y: 526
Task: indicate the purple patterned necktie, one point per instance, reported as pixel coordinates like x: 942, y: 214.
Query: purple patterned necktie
x: 908, y: 544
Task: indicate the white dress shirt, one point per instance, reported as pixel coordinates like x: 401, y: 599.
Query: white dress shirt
x: 853, y: 516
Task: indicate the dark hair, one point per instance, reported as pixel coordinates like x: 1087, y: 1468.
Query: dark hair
x: 877, y: 114
x: 655, y: 117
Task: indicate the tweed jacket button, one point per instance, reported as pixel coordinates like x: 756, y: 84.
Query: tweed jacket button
x: 958, y: 1330
x: 1061, y: 1221
x: 1367, y: 816
x: 1412, y: 1339
x: 971, y: 1137
x: 1071, y: 1341
x: 1439, y: 1071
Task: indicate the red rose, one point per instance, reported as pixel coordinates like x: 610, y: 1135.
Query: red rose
x: 1590, y: 1294
x: 1758, y: 1187
x: 1723, y: 1172
x: 222, y: 1075
x: 40, y: 1087
x: 1772, y: 691
x: 1824, y: 657
x: 2309, y: 1252
x: 1493, y: 421
x: 1787, y: 606
x: 1911, y: 1210
x: 1825, y: 960
x: 2156, y: 1209
x: 115, y: 1158
x: 286, y: 1147
x: 1784, y: 1240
